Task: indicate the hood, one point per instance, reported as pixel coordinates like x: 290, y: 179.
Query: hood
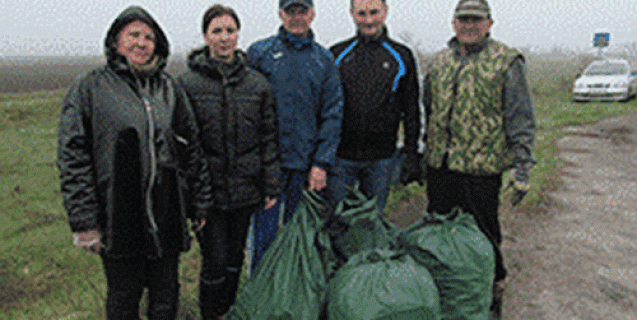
x: 130, y: 14
x: 199, y: 60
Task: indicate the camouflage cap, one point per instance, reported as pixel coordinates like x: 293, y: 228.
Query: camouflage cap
x: 472, y: 8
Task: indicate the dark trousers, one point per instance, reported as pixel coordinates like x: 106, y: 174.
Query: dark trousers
x: 478, y: 195
x: 126, y: 279
x: 222, y: 241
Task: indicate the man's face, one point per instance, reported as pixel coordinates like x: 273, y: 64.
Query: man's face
x: 369, y: 16
x: 297, y: 19
x: 471, y: 30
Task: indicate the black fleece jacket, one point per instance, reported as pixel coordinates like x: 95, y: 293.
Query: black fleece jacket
x: 380, y: 85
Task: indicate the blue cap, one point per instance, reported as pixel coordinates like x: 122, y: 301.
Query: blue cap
x: 283, y: 4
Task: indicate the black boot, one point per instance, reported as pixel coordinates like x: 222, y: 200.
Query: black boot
x: 213, y: 298
x: 495, y: 311
x: 234, y: 275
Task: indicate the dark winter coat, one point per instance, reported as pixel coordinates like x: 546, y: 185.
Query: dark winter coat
x: 309, y: 98
x: 235, y: 109
x: 126, y: 143
x: 380, y: 85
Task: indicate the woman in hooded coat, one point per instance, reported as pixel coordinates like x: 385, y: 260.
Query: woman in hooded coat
x: 129, y: 156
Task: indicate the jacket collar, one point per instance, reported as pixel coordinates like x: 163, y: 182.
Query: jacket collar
x: 383, y: 37
x: 199, y: 60
x: 294, y: 41
x: 472, y: 49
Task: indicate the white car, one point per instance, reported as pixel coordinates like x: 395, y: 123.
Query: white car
x: 606, y: 80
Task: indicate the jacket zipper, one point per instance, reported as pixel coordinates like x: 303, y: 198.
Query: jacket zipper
x: 153, y: 167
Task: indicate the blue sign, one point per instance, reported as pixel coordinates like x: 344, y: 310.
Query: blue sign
x: 601, y: 40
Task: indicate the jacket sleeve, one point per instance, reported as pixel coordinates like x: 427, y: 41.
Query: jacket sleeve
x: 268, y: 134
x: 191, y: 155
x: 408, y: 93
x: 75, y: 160
x: 254, y: 53
x: 330, y: 118
x: 519, y: 118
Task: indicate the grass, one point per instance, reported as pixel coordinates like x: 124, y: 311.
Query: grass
x: 42, y: 276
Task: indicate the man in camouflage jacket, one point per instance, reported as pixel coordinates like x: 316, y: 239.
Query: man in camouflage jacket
x: 480, y: 123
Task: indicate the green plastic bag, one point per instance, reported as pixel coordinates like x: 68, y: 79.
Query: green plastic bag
x: 461, y: 260
x: 290, y: 281
x: 382, y: 285
x: 358, y: 225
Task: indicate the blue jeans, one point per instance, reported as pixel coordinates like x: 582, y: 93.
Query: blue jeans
x: 266, y: 223
x: 375, y: 178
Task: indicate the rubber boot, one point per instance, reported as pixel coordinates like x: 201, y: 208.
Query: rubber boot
x: 495, y: 311
x: 212, y: 298
x: 234, y: 275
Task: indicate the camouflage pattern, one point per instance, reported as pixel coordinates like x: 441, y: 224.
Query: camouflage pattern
x: 469, y: 123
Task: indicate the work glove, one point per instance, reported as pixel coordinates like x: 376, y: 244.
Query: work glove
x: 411, y: 169
x: 521, y: 183
x: 88, y: 240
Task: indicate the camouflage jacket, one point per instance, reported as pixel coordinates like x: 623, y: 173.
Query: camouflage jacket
x: 478, y: 110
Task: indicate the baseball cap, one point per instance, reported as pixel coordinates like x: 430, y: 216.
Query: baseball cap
x: 472, y: 8
x: 286, y: 3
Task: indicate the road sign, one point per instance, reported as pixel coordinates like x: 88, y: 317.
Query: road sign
x: 601, y: 39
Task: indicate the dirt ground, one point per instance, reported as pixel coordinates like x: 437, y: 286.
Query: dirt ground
x: 579, y: 261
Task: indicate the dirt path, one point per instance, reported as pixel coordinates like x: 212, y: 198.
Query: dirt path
x: 579, y: 261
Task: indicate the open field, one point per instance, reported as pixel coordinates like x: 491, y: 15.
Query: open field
x: 42, y: 276
x: 32, y: 74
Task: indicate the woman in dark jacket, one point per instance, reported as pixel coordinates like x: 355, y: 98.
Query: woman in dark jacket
x: 235, y: 109
x: 127, y: 140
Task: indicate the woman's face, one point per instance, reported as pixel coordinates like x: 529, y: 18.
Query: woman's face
x: 221, y: 36
x: 136, y: 42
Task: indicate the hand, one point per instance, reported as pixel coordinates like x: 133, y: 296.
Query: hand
x: 522, y: 183
x: 411, y: 170
x: 269, y: 202
x: 88, y: 240
x: 198, y: 224
x: 317, y: 179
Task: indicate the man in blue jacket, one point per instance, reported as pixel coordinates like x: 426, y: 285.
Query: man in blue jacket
x: 309, y: 100
x: 381, y: 89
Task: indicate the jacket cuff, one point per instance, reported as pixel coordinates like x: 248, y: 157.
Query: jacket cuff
x: 82, y: 224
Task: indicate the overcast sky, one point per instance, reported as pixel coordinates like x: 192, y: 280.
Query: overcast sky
x: 77, y: 27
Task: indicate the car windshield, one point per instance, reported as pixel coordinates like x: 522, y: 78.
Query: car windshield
x: 606, y: 69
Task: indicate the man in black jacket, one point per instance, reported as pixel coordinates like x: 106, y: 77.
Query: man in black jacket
x: 380, y: 85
